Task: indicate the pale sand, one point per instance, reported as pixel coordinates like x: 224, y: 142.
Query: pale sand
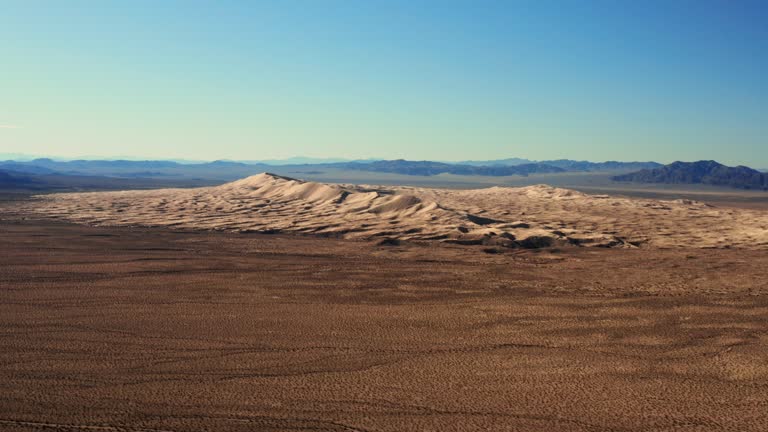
x: 530, y: 216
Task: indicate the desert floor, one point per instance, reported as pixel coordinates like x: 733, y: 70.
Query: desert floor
x: 125, y: 329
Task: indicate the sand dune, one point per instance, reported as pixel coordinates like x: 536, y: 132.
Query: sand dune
x: 533, y: 216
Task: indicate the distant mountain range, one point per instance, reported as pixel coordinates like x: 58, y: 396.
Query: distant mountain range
x: 704, y: 172
x: 49, y: 174
x: 570, y: 165
x: 701, y: 172
x: 300, y: 160
x: 216, y: 170
x: 429, y: 168
x: 25, y: 168
x: 502, y: 167
x: 495, y: 162
x: 228, y: 170
x: 25, y: 182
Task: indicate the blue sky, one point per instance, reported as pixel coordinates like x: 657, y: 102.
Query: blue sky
x: 442, y: 80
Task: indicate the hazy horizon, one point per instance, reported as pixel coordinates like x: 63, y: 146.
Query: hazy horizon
x: 20, y: 157
x: 452, y: 81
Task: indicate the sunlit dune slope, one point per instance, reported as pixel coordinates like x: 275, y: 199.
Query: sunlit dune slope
x: 534, y: 216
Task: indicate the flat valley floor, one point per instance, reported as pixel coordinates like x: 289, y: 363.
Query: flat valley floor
x: 121, y: 329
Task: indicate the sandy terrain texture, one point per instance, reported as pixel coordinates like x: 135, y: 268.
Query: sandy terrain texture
x: 118, y: 329
x: 530, y: 217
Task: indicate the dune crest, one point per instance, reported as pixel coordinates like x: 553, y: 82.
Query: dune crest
x: 531, y: 217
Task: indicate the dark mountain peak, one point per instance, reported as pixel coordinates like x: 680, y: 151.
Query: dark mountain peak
x: 700, y: 172
x: 702, y: 164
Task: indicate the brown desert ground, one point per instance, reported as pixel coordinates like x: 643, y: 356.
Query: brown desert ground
x: 212, y: 326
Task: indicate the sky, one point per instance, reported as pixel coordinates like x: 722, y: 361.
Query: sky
x: 415, y: 79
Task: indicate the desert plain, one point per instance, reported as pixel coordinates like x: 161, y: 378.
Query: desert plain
x: 272, y: 304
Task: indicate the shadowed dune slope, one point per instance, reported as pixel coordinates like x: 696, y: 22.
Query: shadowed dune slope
x: 534, y: 216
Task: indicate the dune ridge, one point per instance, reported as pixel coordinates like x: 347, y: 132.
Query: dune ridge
x: 531, y: 217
